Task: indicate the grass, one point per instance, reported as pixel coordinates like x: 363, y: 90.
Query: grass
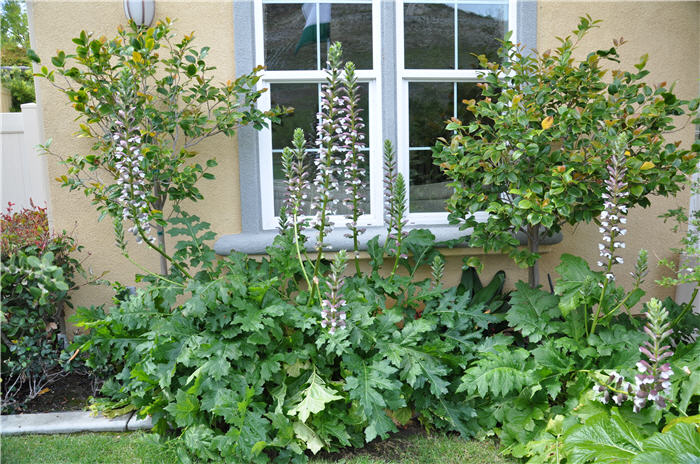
x: 133, y: 448
x: 84, y: 448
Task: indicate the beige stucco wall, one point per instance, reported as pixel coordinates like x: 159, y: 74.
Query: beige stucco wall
x: 669, y: 32
x: 54, y: 24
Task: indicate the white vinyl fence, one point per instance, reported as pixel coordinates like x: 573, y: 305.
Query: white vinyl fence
x: 22, y: 168
x: 684, y: 292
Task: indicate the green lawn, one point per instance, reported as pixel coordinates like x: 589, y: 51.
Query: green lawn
x: 128, y: 448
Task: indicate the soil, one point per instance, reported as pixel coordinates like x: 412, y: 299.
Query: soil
x: 69, y: 393
x: 397, y: 448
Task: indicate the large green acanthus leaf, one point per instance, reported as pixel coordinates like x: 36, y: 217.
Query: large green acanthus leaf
x: 681, y: 444
x: 532, y: 311
x: 603, y: 439
x: 314, y: 398
x: 308, y: 436
x: 499, y: 372
x: 576, y: 282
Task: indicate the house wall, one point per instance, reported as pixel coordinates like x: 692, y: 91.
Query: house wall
x: 668, y: 32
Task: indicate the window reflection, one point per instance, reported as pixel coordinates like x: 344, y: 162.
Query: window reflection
x: 293, y: 31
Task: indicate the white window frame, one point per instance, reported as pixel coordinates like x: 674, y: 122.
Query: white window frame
x: 375, y: 130
x: 405, y: 76
x: 270, y: 218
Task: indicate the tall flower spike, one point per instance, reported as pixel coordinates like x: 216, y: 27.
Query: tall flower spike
x: 389, y: 181
x: 397, y: 218
x: 612, y: 219
x: 131, y: 179
x: 333, y: 314
x: 641, y: 268
x: 296, y: 175
x: 652, y: 383
x: 328, y: 132
x: 352, y: 140
x: 437, y: 268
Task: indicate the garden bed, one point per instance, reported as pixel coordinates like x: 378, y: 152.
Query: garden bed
x: 70, y: 393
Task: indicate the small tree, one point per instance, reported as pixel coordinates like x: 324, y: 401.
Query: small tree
x: 535, y: 154
x: 146, y: 100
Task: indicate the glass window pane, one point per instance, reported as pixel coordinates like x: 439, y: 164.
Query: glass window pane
x: 352, y: 26
x: 429, y: 36
x: 289, y: 44
x: 304, y: 99
x: 430, y: 104
x: 466, y: 91
x: 480, y: 26
x: 428, y: 185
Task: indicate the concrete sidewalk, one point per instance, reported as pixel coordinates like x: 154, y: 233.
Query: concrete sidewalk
x: 70, y: 422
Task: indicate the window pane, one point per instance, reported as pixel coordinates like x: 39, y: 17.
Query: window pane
x: 304, y: 98
x: 428, y: 185
x: 429, y: 36
x: 430, y: 104
x: 480, y: 26
x: 289, y: 45
x: 352, y: 26
x: 466, y: 91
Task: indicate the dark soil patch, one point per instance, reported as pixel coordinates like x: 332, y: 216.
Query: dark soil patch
x: 400, y: 446
x: 69, y: 393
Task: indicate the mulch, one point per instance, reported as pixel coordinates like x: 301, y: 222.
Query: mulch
x: 69, y: 393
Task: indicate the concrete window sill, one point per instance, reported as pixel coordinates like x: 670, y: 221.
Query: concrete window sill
x: 255, y: 243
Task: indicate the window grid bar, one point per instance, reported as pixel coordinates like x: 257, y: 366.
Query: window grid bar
x: 311, y: 150
x: 318, y: 36
x: 456, y: 37
x: 293, y: 77
x: 324, y: 1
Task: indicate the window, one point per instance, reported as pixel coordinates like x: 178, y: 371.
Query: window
x: 415, y: 64
x: 292, y: 41
x: 437, y: 70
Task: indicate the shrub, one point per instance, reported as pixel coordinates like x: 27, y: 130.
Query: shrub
x: 37, y: 273
x: 536, y: 152
x: 146, y: 100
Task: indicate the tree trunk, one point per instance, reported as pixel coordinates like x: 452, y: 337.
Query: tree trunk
x: 533, y: 241
x: 160, y: 232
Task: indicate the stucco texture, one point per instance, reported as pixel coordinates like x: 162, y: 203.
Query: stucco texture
x: 668, y: 32
x: 54, y: 24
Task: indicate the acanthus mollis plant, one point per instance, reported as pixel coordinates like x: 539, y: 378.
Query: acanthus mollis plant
x: 354, y: 173
x: 154, y: 96
x: 340, y: 159
x: 652, y: 384
x: 395, y: 204
x: 333, y: 315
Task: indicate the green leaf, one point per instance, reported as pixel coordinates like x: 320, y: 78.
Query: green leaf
x: 184, y: 409
x: 314, y: 398
x: 603, y: 439
x: 532, y: 311
x: 689, y: 388
x: 366, y: 386
x: 499, y: 372
x: 576, y: 283
x: 308, y: 436
x: 680, y: 445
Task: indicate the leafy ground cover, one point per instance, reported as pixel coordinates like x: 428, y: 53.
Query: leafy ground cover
x: 106, y: 448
